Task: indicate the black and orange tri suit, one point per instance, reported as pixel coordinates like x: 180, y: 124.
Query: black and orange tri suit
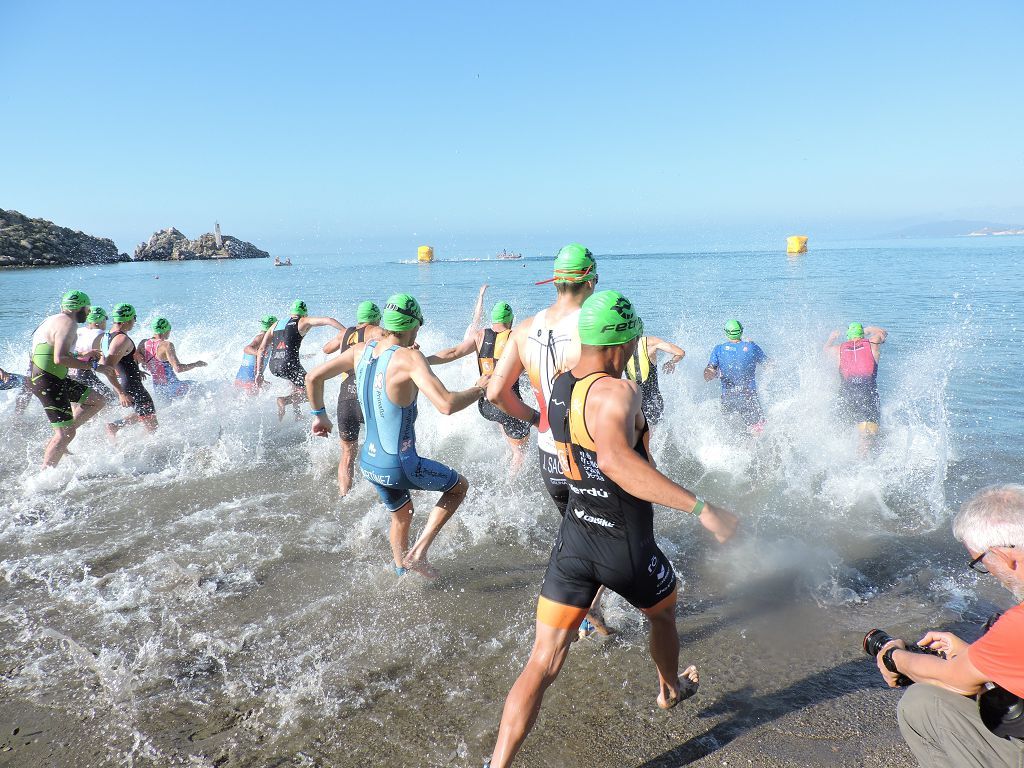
x: 607, y: 535
x: 350, y: 417
x: 491, y: 347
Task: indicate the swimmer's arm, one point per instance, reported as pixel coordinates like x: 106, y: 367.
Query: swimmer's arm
x: 446, y: 402
x: 506, y: 374
x: 677, y: 352
x: 179, y: 367
x: 876, y: 336
x: 710, y: 372
x: 611, y: 420
x: 316, y: 378
x: 334, y: 344
x: 452, y: 354
x: 830, y: 342
x: 259, y: 356
x: 478, y: 311
x: 319, y: 322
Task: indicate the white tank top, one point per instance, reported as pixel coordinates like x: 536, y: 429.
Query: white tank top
x: 548, y: 349
x: 85, y: 339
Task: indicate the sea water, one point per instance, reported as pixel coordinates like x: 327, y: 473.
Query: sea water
x: 200, y: 597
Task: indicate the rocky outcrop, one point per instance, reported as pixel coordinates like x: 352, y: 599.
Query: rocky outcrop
x: 26, y: 242
x: 171, y: 245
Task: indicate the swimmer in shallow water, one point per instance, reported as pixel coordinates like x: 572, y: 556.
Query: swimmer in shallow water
x: 245, y: 378
x: 389, y: 377
x: 607, y: 534
x: 489, y: 345
x: 161, y: 360
x: 857, y: 359
x: 643, y: 369
x: 736, y: 361
x: 121, y: 354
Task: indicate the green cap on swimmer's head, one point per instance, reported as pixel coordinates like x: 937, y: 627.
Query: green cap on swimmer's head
x: 161, y: 325
x: 573, y: 264
x: 267, y: 322
x: 368, y: 312
x: 74, y: 300
x: 855, y: 331
x: 96, y: 315
x: 734, y: 330
x: 123, y: 313
x: 299, y: 308
x: 608, y: 318
x: 502, y: 313
x: 401, y: 313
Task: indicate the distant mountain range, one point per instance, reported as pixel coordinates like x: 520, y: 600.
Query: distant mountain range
x: 956, y: 229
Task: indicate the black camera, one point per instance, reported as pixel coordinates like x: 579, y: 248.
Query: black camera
x: 875, y: 641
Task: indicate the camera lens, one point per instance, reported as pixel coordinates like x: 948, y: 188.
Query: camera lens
x: 875, y: 640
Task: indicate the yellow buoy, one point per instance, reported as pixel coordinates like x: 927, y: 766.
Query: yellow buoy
x: 425, y: 254
x: 796, y: 244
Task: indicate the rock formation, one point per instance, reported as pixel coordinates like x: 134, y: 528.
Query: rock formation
x: 26, y: 242
x: 171, y: 245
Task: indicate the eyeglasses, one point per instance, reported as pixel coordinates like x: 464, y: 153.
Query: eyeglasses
x: 978, y: 566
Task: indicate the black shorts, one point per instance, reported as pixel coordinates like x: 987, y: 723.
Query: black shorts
x: 653, y: 405
x: 89, y: 379
x: 859, y: 402
x: 513, y: 427
x: 296, y: 374
x: 350, y: 418
x: 581, y: 562
x: 57, y: 395
x: 142, y: 401
x: 746, y: 404
x: 554, y: 480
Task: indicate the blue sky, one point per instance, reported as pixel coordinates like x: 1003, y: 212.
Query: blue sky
x: 323, y: 125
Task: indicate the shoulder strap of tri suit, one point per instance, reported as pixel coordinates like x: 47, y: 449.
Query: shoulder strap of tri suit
x: 578, y: 432
x: 499, y: 343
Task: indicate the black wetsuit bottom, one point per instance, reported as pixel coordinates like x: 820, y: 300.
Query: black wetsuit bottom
x: 56, y: 395
x: 581, y: 562
x: 554, y: 480
x: 514, y: 428
x: 350, y: 419
x: 296, y: 374
x: 859, y: 401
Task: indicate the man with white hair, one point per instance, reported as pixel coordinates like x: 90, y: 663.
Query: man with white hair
x: 943, y: 719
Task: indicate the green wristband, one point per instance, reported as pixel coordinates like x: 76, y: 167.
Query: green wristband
x: 698, y: 507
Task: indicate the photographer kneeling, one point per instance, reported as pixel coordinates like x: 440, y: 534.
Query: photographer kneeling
x: 943, y: 718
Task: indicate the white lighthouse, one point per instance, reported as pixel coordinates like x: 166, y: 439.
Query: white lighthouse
x: 216, y: 235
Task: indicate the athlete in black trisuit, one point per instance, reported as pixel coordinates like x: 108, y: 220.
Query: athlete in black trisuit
x: 607, y: 534
x: 284, y: 341
x: 121, y: 353
x: 350, y: 416
x: 488, y: 344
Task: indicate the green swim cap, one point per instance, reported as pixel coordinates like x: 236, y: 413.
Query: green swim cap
x: 575, y: 264
x: 502, y: 313
x: 123, y: 313
x: 74, y: 300
x: 855, y: 331
x: 401, y: 313
x: 267, y: 322
x: 96, y: 315
x: 734, y: 330
x: 607, y: 318
x: 299, y: 308
x: 161, y: 325
x: 368, y: 312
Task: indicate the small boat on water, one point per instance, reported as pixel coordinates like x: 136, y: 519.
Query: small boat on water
x: 505, y: 255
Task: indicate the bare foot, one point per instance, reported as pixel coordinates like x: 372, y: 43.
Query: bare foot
x: 423, y: 568
x: 282, y: 406
x: 688, y: 683
x: 598, y: 621
x: 112, y: 433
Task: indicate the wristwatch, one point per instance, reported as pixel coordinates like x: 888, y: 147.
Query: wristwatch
x: 887, y: 661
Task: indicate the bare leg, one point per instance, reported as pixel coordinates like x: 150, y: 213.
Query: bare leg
x: 345, y: 465
x: 58, y: 445
x: 523, y: 703
x: 518, y: 448
x: 594, y: 615
x: 85, y: 411
x: 664, y: 644
x: 401, y: 522
x: 450, y: 500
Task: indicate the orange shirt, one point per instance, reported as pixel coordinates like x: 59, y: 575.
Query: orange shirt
x: 999, y: 653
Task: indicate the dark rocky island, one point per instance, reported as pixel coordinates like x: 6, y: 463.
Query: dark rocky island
x: 26, y: 242
x: 171, y: 245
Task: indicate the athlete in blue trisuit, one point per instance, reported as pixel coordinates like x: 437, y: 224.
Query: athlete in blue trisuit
x: 389, y: 377
x: 736, y: 361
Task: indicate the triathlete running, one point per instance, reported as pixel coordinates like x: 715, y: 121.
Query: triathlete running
x: 389, y: 377
x: 606, y: 537
x: 350, y: 416
x: 489, y: 345
x: 121, y: 353
x: 245, y: 379
x: 90, y: 339
x: 857, y: 358
x: 643, y: 369
x: 736, y: 361
x: 284, y: 341
x: 67, y: 403
x: 161, y: 360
